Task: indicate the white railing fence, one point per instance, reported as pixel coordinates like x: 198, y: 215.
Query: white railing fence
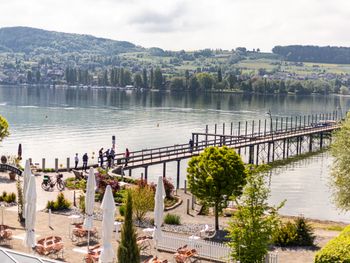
x: 205, y: 249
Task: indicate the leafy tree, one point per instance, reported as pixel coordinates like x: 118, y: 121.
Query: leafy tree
x: 128, y: 250
x: 4, y: 128
x: 144, y: 78
x: 340, y: 174
x: 142, y: 201
x: 205, y: 80
x: 214, y: 175
x: 219, y: 75
x: 177, y: 83
x: 158, y: 79
x: 194, y: 84
x: 254, y: 222
x: 151, y: 80
x: 187, y: 77
x: 29, y: 76
x: 37, y: 76
x: 138, y: 80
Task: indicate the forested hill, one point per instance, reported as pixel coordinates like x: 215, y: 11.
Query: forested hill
x: 327, y: 54
x: 29, y: 40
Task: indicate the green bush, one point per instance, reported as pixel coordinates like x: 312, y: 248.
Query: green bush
x: 122, y: 210
x: 82, y: 203
x: 298, y: 233
x: 71, y: 183
x: 61, y: 203
x: 336, y: 250
x: 172, y: 219
x: 10, y: 198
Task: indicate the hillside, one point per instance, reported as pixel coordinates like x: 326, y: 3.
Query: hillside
x: 317, y: 54
x: 33, y: 40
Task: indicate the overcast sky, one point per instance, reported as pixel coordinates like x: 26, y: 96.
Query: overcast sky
x: 190, y: 24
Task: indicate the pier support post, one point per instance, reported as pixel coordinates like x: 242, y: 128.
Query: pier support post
x: 130, y: 173
x: 68, y: 164
x: 284, y: 149
x: 257, y: 154
x: 287, y: 152
x: 321, y: 140
x: 43, y: 164
x: 206, y: 135
x: 251, y: 154
x: 185, y: 186
x: 178, y: 175
x: 146, y: 173
x: 310, y: 143
x: 268, y: 152
x: 273, y: 151
x: 56, y: 165
x: 164, y: 169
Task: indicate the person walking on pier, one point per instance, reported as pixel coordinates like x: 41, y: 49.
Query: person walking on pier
x: 112, y: 154
x: 127, y: 156
x: 85, y: 161
x: 100, y: 156
x: 191, y: 145
x: 76, y: 160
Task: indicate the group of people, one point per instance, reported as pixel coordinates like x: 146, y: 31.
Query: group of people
x: 107, y: 156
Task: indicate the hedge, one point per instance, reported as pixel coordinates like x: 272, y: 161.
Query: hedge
x: 336, y: 250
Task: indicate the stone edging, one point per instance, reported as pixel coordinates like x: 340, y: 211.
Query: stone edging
x: 174, y: 206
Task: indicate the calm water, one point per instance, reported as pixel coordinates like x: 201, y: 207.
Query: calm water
x: 58, y: 122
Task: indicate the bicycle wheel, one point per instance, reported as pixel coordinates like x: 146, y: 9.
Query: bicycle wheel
x: 45, y: 186
x: 60, y: 185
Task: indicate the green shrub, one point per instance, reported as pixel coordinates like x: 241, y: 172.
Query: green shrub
x: 172, y: 219
x: 71, y: 183
x: 298, y: 233
x: 10, y: 198
x: 61, y: 203
x: 122, y: 210
x: 336, y: 250
x: 82, y: 203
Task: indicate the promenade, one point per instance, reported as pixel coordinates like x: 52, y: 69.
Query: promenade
x: 73, y: 253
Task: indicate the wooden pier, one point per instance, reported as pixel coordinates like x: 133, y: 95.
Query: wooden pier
x: 257, y: 142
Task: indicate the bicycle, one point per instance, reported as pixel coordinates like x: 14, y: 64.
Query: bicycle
x: 49, y: 183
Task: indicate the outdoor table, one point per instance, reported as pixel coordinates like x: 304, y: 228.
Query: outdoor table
x: 48, y: 245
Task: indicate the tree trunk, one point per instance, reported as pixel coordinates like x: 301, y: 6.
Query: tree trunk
x: 216, y: 216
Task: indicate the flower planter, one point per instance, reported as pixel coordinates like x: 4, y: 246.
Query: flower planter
x: 12, y: 175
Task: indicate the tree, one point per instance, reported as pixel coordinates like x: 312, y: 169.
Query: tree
x: 138, y: 81
x: 205, y: 80
x: 219, y: 75
x: 128, y: 250
x: 151, y: 80
x: 214, y: 175
x: 144, y: 78
x: 4, y: 128
x: 254, y: 222
x: 158, y: 79
x: 194, y: 84
x: 177, y: 83
x: 340, y: 173
x: 29, y: 76
x: 142, y: 201
x: 37, y: 76
x: 187, y: 77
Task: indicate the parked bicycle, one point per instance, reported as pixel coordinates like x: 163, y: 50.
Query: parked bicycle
x: 49, y: 182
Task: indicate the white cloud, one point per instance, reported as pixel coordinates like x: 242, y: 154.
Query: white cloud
x: 190, y: 24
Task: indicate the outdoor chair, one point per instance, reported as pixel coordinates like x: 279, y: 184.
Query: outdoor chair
x: 156, y: 260
x: 57, y: 248
x: 144, y: 244
x: 5, y: 234
x: 185, y: 255
x: 93, y: 254
x: 78, y: 175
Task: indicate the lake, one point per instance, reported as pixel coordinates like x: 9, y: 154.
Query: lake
x: 59, y: 122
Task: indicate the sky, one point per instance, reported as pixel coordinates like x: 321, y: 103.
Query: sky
x: 190, y: 24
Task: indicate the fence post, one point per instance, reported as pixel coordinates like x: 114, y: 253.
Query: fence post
x: 68, y: 164
x: 188, y: 206
x: 56, y: 165
x: 185, y: 186
x: 43, y: 164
